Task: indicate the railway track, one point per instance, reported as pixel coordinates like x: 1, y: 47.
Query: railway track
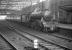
x: 42, y: 42
x: 4, y: 44
x: 57, y: 37
x: 17, y: 38
x: 38, y: 38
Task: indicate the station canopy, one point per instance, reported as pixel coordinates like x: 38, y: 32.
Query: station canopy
x: 18, y: 6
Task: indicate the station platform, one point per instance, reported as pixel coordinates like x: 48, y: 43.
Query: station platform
x: 65, y: 26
